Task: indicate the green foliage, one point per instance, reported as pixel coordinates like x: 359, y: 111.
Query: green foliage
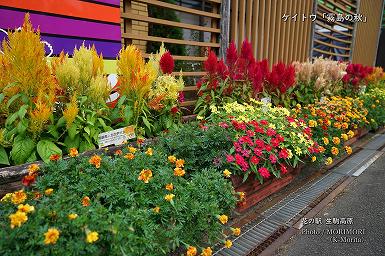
x: 121, y: 208
x: 374, y: 102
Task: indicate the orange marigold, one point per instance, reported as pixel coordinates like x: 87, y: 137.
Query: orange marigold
x: 145, y: 175
x: 73, y: 152
x: 86, y: 201
x: 95, y: 160
x: 191, y: 251
x: 54, y: 157
x: 179, y: 172
x: 179, y: 163
x: 129, y: 156
x: 19, y: 197
x: 33, y: 168
x: 170, y: 187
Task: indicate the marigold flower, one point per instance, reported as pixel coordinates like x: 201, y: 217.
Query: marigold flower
x: 170, y: 187
x: 73, y: 152
x: 179, y: 163
x: 25, y: 208
x: 6, y: 197
x: 131, y: 149
x: 336, y: 140
x: 348, y: 150
x: 226, y: 173
x: 96, y: 161
x: 18, y: 197
x: 172, y: 159
x: 51, y: 236
x: 334, y: 151
x: 236, y: 231
x: 325, y: 140
x: 149, y: 151
x: 207, y: 252
x: 33, y: 168
x: 321, y: 149
x: 351, y: 134
x: 118, y: 152
x: 92, y: 237
x: 156, y: 209
x: 179, y: 172
x: 228, y: 243
x: 223, y: 218
x: 86, y: 201
x: 48, y: 191
x: 242, y: 196
x: 313, y: 158
x: 329, y: 161
x: 191, y: 251
x: 54, y: 157
x: 169, y: 197
x: 18, y: 218
x: 72, y: 216
x: 344, y: 136
x: 37, y: 195
x: 129, y: 156
x: 344, y: 126
x: 145, y: 175
x: 312, y: 123
x: 28, y: 180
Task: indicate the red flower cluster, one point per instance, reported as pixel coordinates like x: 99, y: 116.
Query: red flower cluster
x: 166, y: 63
x: 281, y: 77
x: 356, y: 73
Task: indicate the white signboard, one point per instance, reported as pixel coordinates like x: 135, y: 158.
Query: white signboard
x: 116, y: 137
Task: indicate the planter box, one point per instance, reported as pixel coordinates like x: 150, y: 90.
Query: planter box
x: 256, y: 192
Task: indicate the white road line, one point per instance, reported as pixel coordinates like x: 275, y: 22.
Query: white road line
x: 367, y: 164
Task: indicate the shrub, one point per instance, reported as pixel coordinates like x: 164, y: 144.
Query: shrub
x: 374, y: 102
x: 136, y: 203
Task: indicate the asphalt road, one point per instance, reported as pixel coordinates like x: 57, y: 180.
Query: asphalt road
x: 363, y: 203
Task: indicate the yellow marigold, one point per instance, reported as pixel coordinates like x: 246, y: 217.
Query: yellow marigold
x: 344, y: 136
x: 329, y: 161
x: 223, y: 219
x: 373, y: 106
x: 92, y: 237
x: 156, y: 209
x: 312, y: 123
x: 51, y: 236
x: 48, y: 191
x: 334, y: 151
x: 145, y: 175
x: 191, y: 251
x: 25, y: 208
x: 19, y: 197
x: 242, y: 196
x: 179, y: 172
x: 72, y: 216
x: 18, y: 218
x: 207, y: 252
x: 348, y: 150
x: 95, y: 160
x: 131, y: 149
x: 179, y: 163
x: 170, y: 187
x: 336, y: 140
x: 149, y: 151
x: 313, y: 158
x: 33, y: 168
x: 325, y: 140
x: 129, y: 156
x: 350, y: 134
x: 169, y: 197
x: 236, y: 231
x: 228, y: 243
x: 86, y: 201
x: 73, y: 152
x: 6, y: 197
x: 172, y: 159
x: 226, y: 173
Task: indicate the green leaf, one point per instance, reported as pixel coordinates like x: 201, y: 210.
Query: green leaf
x: 12, y: 99
x: 85, y: 146
x: 32, y: 157
x: 72, y: 131
x: 22, y: 149
x: 3, y: 156
x: 22, y: 126
x: 1, y: 97
x: 47, y: 148
x: 61, y: 122
x: 146, y: 122
x: 72, y: 143
x: 87, y: 130
x: 12, y: 118
x: 22, y: 111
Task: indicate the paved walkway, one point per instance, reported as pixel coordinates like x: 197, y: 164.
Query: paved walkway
x: 363, y: 203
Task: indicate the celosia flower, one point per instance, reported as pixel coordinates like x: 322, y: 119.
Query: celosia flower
x: 145, y: 175
x: 25, y: 208
x: 207, y: 252
x: 210, y: 64
x: 54, y: 157
x: 191, y: 251
x: 172, y: 159
x: 169, y: 197
x: 33, y: 168
x: 149, y: 151
x: 179, y: 172
x: 86, y: 201
x: 174, y: 110
x: 231, y: 55
x: 166, y: 63
x: 236, y: 231
x: 18, y: 218
x: 28, y: 180
x: 51, y: 236
x: 228, y: 243
x: 92, y: 237
x: 129, y: 156
x: 72, y: 216
x: 247, y: 51
x: 169, y: 186
x: 181, y: 96
x: 18, y: 197
x: 96, y: 161
x: 226, y: 173
x: 73, y: 152
x: 223, y: 219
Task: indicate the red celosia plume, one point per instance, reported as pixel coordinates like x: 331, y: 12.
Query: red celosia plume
x: 166, y: 63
